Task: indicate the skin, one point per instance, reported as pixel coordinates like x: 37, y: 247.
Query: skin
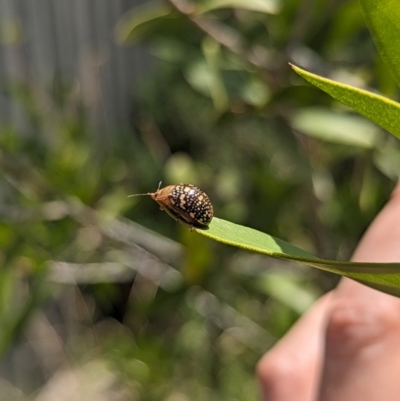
x: 347, y: 347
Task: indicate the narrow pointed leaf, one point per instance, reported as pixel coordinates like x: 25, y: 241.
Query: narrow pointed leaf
x: 379, y: 109
x: 263, y: 6
x: 331, y: 126
x: 383, y: 20
x: 382, y: 276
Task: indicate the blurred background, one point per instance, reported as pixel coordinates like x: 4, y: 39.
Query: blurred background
x: 106, y: 298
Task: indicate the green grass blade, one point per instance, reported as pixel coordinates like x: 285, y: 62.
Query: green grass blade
x: 379, y: 109
x: 383, y: 20
x: 382, y: 276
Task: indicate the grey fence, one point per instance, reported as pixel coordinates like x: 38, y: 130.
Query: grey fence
x: 73, y: 41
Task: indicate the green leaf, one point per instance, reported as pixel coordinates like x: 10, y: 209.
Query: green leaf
x: 141, y: 22
x: 288, y: 290
x: 212, y: 54
x: 255, y: 92
x: 383, y: 20
x: 335, y: 127
x: 199, y: 76
x: 263, y: 6
x: 387, y: 159
x: 382, y: 276
x: 379, y: 109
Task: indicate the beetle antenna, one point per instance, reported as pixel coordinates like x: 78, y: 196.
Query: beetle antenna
x: 148, y: 194
x: 131, y: 196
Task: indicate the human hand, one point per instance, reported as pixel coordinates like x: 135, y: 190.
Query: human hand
x: 347, y: 347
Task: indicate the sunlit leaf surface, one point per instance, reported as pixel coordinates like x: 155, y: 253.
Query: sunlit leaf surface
x: 379, y: 109
x: 383, y: 18
x: 383, y: 276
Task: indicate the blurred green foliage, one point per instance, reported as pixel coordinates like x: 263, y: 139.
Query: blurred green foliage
x: 176, y: 316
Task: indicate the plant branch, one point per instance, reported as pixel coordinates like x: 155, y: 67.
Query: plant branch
x: 224, y: 35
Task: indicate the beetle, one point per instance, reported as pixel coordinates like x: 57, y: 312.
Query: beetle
x: 185, y: 203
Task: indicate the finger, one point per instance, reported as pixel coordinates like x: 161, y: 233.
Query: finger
x: 290, y: 370
x: 381, y: 242
x: 362, y: 336
x: 362, y: 348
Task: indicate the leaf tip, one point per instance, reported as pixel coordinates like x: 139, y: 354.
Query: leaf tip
x: 293, y: 67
